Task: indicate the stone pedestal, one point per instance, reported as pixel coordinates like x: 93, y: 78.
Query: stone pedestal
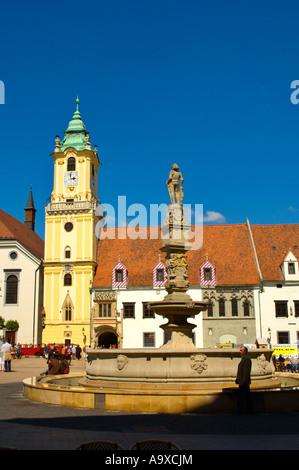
x: 177, y: 306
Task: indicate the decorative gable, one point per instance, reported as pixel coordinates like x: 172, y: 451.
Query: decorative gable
x: 159, y: 275
x: 290, y: 267
x: 119, y: 276
x: 207, y: 274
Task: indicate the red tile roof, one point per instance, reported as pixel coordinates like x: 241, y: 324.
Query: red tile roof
x: 228, y: 248
x: 14, y: 229
x: 272, y: 244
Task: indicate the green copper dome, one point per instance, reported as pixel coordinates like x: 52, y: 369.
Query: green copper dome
x: 75, y: 133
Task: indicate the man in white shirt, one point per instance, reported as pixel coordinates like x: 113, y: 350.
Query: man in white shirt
x: 6, y: 348
x: 294, y: 363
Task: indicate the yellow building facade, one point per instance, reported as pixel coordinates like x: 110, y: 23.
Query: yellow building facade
x: 70, y: 240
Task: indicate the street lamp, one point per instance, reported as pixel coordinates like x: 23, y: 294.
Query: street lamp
x: 84, y: 336
x: 269, y: 339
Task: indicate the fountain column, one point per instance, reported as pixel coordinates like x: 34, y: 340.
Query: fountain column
x: 177, y: 306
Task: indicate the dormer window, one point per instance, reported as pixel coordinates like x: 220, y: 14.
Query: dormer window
x: 207, y: 274
x: 119, y: 276
x: 291, y: 268
x: 159, y: 275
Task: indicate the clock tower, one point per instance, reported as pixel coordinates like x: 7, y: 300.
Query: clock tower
x: 70, y: 240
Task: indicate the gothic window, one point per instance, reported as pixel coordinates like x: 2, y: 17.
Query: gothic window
x: 68, y: 313
x: 210, y: 309
x: 11, y: 290
x: 246, y: 309
x: 67, y: 309
x: 71, y: 164
x: 234, y: 307
x: 221, y: 303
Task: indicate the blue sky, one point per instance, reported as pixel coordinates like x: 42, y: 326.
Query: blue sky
x: 206, y: 85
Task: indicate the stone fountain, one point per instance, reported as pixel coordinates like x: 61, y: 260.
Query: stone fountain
x: 178, y: 376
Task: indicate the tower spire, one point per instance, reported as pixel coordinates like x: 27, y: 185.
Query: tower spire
x: 30, y: 211
x: 74, y: 136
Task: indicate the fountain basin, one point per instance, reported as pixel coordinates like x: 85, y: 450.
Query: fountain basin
x: 167, y: 383
x: 179, y: 366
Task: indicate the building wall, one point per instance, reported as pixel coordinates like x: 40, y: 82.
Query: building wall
x: 76, y: 205
x: 30, y: 291
x: 267, y: 317
x: 133, y: 329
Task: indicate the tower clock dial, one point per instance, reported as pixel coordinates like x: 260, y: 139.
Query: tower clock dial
x: 71, y: 178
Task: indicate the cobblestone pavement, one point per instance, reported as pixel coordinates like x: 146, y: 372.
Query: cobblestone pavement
x: 28, y: 425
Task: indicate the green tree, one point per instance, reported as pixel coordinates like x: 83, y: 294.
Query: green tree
x: 2, y: 322
x: 12, y: 325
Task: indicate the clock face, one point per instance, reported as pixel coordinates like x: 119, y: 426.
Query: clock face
x: 71, y: 178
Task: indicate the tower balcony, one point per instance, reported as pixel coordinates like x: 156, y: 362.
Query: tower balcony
x: 72, y: 206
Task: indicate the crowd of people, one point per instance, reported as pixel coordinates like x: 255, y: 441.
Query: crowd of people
x: 102, y: 346
x: 286, y: 364
x: 59, y: 358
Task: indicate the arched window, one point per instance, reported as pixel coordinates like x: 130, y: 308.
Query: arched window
x: 67, y: 279
x: 71, y: 164
x: 67, y: 252
x: 11, y: 289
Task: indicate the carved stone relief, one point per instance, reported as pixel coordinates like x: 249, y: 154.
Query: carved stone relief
x: 262, y: 363
x: 121, y: 361
x: 198, y: 362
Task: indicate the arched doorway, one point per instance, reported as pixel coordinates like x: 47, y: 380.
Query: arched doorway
x: 106, y: 339
x: 228, y: 338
